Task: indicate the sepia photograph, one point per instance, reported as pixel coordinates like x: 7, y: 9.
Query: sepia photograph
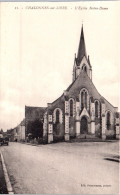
x: 59, y: 97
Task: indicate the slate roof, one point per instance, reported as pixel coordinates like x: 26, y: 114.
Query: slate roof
x: 33, y: 113
x: 82, y: 81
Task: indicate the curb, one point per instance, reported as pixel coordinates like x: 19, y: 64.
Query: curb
x: 8, y: 183
x: 112, y: 159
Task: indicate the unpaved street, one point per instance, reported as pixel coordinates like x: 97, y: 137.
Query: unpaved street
x: 62, y: 168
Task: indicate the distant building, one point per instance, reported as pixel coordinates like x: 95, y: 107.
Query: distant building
x: 81, y: 111
x: 22, y: 129
x: 17, y: 133
x: 10, y: 133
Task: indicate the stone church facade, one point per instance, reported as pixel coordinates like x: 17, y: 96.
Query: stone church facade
x: 80, y: 111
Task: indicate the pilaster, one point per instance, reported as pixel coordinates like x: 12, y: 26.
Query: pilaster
x: 117, y: 128
x: 93, y: 127
x: 103, y: 122
x: 67, y: 136
x: 77, y: 128
x: 45, y: 128
x: 91, y: 74
x: 50, y: 129
x: 77, y: 122
x: 92, y: 117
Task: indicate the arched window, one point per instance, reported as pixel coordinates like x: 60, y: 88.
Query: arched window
x: 71, y: 107
x: 96, y: 109
x: 84, y: 68
x: 108, y: 120
x: 83, y: 98
x: 57, y: 116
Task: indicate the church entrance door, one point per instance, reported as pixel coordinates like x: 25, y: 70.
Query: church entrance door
x: 84, y: 126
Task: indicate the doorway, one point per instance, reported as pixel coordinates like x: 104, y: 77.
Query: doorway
x: 83, y: 126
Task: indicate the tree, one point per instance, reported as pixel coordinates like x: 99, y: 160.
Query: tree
x: 36, y: 128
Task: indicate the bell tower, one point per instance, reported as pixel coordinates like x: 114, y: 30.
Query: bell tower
x: 82, y: 61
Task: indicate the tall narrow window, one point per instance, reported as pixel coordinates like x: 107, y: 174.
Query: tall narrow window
x: 57, y: 116
x: 85, y: 99
x: 108, y: 120
x: 85, y: 69
x: 96, y: 109
x: 82, y: 100
x: 71, y: 107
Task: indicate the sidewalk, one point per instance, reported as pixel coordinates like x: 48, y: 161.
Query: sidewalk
x: 3, y: 187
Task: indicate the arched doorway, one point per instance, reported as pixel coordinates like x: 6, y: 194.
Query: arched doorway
x: 83, y: 126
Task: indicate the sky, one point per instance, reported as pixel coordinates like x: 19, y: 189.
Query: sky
x: 37, y: 48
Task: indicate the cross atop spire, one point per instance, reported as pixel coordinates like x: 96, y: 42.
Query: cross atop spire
x: 81, y: 48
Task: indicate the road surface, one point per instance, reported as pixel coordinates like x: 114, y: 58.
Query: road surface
x: 62, y: 168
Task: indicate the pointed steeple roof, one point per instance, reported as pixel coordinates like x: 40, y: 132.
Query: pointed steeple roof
x: 89, y: 61
x: 81, y: 48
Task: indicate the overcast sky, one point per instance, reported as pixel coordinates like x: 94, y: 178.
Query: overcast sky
x: 37, y: 48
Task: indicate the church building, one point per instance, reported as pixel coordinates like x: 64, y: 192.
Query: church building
x: 81, y: 111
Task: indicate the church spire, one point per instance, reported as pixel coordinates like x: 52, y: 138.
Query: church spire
x: 82, y: 61
x: 81, y: 48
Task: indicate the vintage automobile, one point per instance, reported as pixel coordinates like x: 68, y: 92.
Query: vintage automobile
x: 4, y: 141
